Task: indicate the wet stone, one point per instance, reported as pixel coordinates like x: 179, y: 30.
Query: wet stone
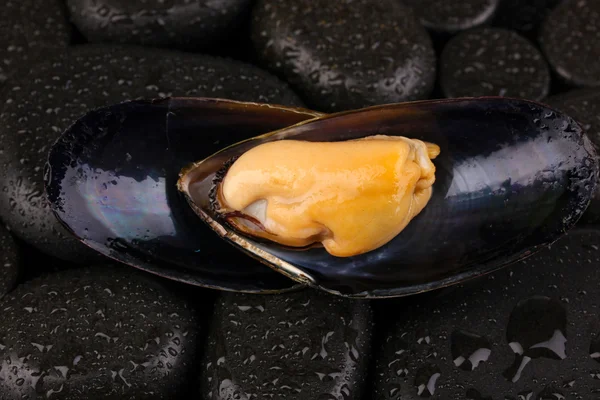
x: 190, y: 25
x: 96, y: 333
x: 345, y: 55
x: 35, y: 263
x: 59, y: 91
x: 493, y: 62
x: 30, y: 30
x: 529, y: 331
x: 570, y: 38
x: 523, y: 16
x: 450, y: 17
x: 473, y: 394
x: 584, y: 106
x: 9, y: 262
x: 303, y: 345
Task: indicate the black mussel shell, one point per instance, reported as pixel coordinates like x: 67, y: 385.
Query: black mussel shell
x: 111, y: 180
x: 512, y: 177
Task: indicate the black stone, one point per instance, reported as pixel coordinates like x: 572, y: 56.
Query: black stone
x: 345, y: 55
x: 190, y: 25
x: 493, y: 62
x: 304, y: 345
x: 529, y: 330
x: 584, y: 106
x: 442, y: 16
x: 9, y: 262
x: 523, y: 16
x: 30, y: 30
x: 59, y: 91
x: 570, y: 38
x: 35, y: 263
x: 97, y: 333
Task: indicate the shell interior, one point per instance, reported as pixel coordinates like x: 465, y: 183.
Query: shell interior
x: 111, y: 181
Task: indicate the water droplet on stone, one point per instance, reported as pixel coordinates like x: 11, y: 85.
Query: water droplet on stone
x: 426, y: 379
x: 595, y: 348
x: 550, y: 393
x: 536, y: 329
x: 469, y: 349
x: 525, y: 395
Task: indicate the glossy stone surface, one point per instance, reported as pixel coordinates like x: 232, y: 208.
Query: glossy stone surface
x: 511, y: 176
x: 304, y: 345
x: 345, y: 55
x: 584, y: 106
x: 30, y: 30
x: 493, y: 62
x: 527, y: 332
x: 523, y: 16
x: 193, y: 25
x: 570, y: 38
x: 10, y: 262
x: 453, y: 16
x: 56, y: 93
x: 105, y: 332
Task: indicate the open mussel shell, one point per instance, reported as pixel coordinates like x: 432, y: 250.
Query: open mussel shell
x: 512, y: 177
x: 111, y: 180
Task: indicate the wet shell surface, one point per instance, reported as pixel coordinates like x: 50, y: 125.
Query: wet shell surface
x: 511, y: 177
x: 111, y: 180
x: 135, y: 181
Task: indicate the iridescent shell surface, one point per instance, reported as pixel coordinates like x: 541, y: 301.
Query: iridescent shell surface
x: 111, y: 180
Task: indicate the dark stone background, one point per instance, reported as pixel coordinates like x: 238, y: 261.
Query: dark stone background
x: 74, y: 326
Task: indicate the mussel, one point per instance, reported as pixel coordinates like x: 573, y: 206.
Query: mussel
x: 384, y: 201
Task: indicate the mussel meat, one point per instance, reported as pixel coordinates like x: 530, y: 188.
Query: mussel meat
x: 352, y: 196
